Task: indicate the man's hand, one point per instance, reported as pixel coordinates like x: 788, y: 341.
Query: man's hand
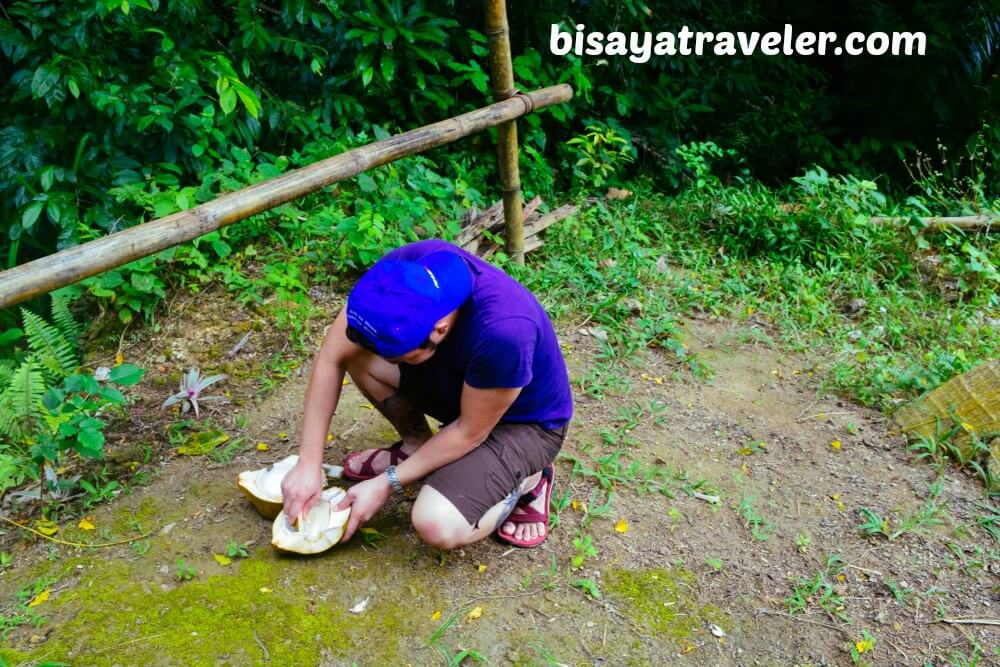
x: 301, y: 488
x: 365, y: 500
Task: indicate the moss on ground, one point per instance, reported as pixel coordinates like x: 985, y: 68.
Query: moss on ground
x: 664, y: 602
x: 110, y: 618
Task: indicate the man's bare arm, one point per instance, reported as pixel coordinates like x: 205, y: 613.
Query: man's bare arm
x: 302, y: 486
x: 481, y: 410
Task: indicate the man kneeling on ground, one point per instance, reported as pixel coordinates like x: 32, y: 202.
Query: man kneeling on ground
x: 433, y: 330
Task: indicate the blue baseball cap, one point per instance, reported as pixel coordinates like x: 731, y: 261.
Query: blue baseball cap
x: 396, y: 304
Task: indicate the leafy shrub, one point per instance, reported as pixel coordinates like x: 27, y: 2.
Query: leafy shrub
x: 46, y: 407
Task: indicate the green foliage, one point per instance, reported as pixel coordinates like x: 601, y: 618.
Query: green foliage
x: 601, y: 154
x: 236, y: 550
x: 758, y: 526
x: 20, y: 613
x: 47, y: 409
x: 584, y: 545
x: 928, y: 515
x: 819, y: 590
x: 183, y: 571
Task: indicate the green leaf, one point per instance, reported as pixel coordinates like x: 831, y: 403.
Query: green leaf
x: 52, y: 399
x: 48, y: 175
x: 30, y: 215
x: 45, y: 79
x: 143, y: 282
x: 366, y: 183
x: 227, y: 100
x: 90, y: 443
x: 126, y: 375
x: 366, y: 76
x: 388, y: 66
x: 74, y: 89
x: 112, y: 395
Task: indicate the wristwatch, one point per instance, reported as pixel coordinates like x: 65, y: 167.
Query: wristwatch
x: 390, y: 472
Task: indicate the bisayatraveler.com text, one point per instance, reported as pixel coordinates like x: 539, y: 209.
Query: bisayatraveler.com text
x: 640, y: 47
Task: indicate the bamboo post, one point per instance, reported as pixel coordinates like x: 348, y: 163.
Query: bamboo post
x: 502, y: 80
x: 74, y: 264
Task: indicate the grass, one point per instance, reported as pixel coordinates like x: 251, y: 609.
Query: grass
x: 758, y: 526
x: 929, y: 514
x: 678, y: 256
x: 819, y: 590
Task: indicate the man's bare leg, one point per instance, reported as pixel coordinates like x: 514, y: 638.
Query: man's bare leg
x: 378, y: 380
x: 440, y: 524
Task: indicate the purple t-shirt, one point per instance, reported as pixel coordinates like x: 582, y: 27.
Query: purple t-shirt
x: 502, y: 338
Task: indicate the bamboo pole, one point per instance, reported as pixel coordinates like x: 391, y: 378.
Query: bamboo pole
x: 502, y: 80
x: 985, y: 223
x: 74, y: 264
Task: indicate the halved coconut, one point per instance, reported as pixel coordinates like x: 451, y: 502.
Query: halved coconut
x: 317, y: 531
x: 263, y: 487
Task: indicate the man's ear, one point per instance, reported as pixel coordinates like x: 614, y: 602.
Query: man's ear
x: 442, y: 326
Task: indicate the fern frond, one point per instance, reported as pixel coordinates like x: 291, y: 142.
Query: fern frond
x: 51, y: 349
x: 66, y: 323
x: 6, y: 371
x: 21, y: 400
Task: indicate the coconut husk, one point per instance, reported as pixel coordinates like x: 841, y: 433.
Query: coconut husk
x: 972, y: 397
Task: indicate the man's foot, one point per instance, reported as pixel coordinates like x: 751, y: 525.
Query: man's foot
x: 528, y: 524
x: 368, y: 463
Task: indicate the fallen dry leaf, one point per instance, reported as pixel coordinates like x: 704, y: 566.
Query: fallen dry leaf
x: 86, y: 523
x: 265, y: 589
x: 483, y: 568
x: 119, y: 359
x: 474, y: 614
x: 262, y: 447
x: 222, y: 560
x: 40, y: 598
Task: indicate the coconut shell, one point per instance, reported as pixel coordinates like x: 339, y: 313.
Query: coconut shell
x: 266, y: 497
x: 321, y: 529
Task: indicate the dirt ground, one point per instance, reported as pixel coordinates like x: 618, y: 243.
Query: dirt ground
x: 683, y: 580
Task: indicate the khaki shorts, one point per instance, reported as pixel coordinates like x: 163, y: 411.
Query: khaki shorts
x: 495, y: 469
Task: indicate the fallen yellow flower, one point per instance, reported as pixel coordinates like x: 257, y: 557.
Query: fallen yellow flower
x: 86, y: 524
x: 474, y: 614
x: 40, y: 598
x: 621, y: 526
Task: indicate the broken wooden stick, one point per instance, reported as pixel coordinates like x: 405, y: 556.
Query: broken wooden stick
x: 492, y: 219
x: 533, y: 228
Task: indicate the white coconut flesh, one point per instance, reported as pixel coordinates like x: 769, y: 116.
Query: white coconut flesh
x: 318, y: 530
x: 265, y: 484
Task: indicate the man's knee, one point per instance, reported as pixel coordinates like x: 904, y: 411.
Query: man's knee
x: 374, y: 376
x: 435, y: 529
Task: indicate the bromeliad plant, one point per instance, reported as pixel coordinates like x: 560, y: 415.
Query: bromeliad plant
x: 192, y: 384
